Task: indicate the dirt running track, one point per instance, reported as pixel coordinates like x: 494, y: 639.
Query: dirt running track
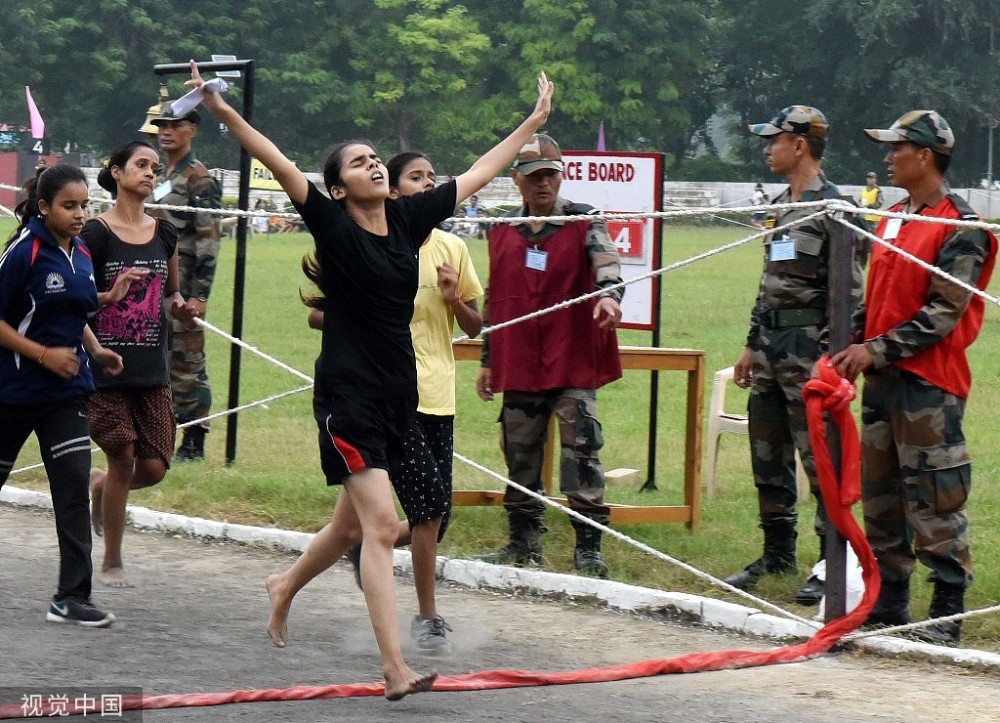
x: 195, y: 623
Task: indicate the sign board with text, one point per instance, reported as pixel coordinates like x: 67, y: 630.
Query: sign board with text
x: 261, y: 178
x: 624, y: 183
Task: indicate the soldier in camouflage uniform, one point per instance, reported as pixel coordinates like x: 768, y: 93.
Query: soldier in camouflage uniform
x: 554, y: 363
x: 916, y: 328
x: 788, y: 333
x: 184, y: 181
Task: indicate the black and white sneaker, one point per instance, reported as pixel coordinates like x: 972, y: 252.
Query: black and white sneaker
x: 78, y: 612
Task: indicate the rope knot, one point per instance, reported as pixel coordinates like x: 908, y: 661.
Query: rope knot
x: 835, y: 391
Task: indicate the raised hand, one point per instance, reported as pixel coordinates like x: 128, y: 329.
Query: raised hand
x: 212, y: 101
x: 543, y: 106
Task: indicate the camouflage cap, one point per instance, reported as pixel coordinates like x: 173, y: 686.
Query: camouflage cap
x: 801, y: 119
x: 166, y: 114
x: 925, y: 128
x: 540, y: 152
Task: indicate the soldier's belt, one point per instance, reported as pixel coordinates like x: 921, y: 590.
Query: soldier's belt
x: 783, y: 318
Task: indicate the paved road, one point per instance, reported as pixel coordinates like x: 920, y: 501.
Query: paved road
x: 195, y: 623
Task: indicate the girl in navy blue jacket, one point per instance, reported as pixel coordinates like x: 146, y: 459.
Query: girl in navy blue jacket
x: 47, y: 293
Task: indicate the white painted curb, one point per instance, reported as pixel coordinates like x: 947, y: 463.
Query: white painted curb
x: 677, y: 606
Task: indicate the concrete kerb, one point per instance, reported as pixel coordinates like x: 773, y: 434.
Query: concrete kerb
x: 678, y: 607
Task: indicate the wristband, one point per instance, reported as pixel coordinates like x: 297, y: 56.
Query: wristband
x: 41, y: 356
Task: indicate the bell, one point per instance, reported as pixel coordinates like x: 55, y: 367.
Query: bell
x: 154, y: 111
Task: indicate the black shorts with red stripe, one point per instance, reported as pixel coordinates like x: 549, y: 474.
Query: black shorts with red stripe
x: 358, y: 432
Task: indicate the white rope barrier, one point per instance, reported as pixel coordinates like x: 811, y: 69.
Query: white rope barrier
x: 635, y: 543
x: 681, y: 212
x: 250, y: 405
x: 651, y: 274
x: 831, y: 207
x: 716, y: 216
x: 892, y: 630
x: 243, y: 345
x: 840, y: 205
x: 920, y: 262
x: 226, y: 412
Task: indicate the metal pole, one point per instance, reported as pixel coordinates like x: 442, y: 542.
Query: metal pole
x: 654, y: 377
x: 239, y: 280
x: 989, y: 169
x: 841, y: 262
x: 654, y: 396
x: 989, y: 155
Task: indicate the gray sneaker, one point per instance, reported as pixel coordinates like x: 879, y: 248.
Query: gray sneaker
x: 430, y: 636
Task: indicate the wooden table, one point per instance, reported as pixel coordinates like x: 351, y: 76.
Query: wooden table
x: 691, y: 361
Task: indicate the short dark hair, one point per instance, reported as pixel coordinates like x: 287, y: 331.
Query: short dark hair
x: 941, y: 162
x: 816, y: 146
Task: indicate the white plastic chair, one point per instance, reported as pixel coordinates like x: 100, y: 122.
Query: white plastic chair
x: 720, y: 421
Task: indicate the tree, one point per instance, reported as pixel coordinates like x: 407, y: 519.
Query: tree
x: 863, y: 64
x: 90, y: 64
x: 394, y: 70
x: 637, y: 66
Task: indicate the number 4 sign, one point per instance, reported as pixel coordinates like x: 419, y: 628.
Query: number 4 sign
x: 627, y: 237
x: 630, y: 183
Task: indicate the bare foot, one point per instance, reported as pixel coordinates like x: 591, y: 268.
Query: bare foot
x: 97, y: 477
x: 114, y: 577
x: 397, y: 688
x: 277, y: 624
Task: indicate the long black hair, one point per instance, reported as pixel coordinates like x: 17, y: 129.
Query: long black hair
x: 331, y: 177
x: 44, y: 186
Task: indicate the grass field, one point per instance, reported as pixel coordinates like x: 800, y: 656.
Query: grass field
x: 276, y: 478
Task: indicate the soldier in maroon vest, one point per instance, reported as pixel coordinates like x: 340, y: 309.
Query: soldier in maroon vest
x: 552, y: 363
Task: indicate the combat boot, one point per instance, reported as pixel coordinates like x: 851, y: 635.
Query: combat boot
x: 814, y: 589
x: 947, y: 600
x: 193, y: 444
x: 779, y: 555
x: 525, y: 546
x: 587, y: 555
x: 893, y: 604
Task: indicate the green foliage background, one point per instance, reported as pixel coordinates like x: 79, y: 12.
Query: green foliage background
x: 448, y: 77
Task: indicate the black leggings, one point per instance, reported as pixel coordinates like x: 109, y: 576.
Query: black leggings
x: 64, y: 439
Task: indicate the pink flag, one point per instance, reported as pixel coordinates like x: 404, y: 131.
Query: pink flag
x: 37, y: 124
x: 600, y: 138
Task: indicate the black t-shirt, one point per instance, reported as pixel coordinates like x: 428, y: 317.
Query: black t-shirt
x: 136, y: 326
x: 370, y: 282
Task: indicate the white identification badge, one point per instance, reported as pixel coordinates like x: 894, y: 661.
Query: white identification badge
x: 162, y: 190
x: 536, y: 259
x: 891, y: 229
x: 783, y: 249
